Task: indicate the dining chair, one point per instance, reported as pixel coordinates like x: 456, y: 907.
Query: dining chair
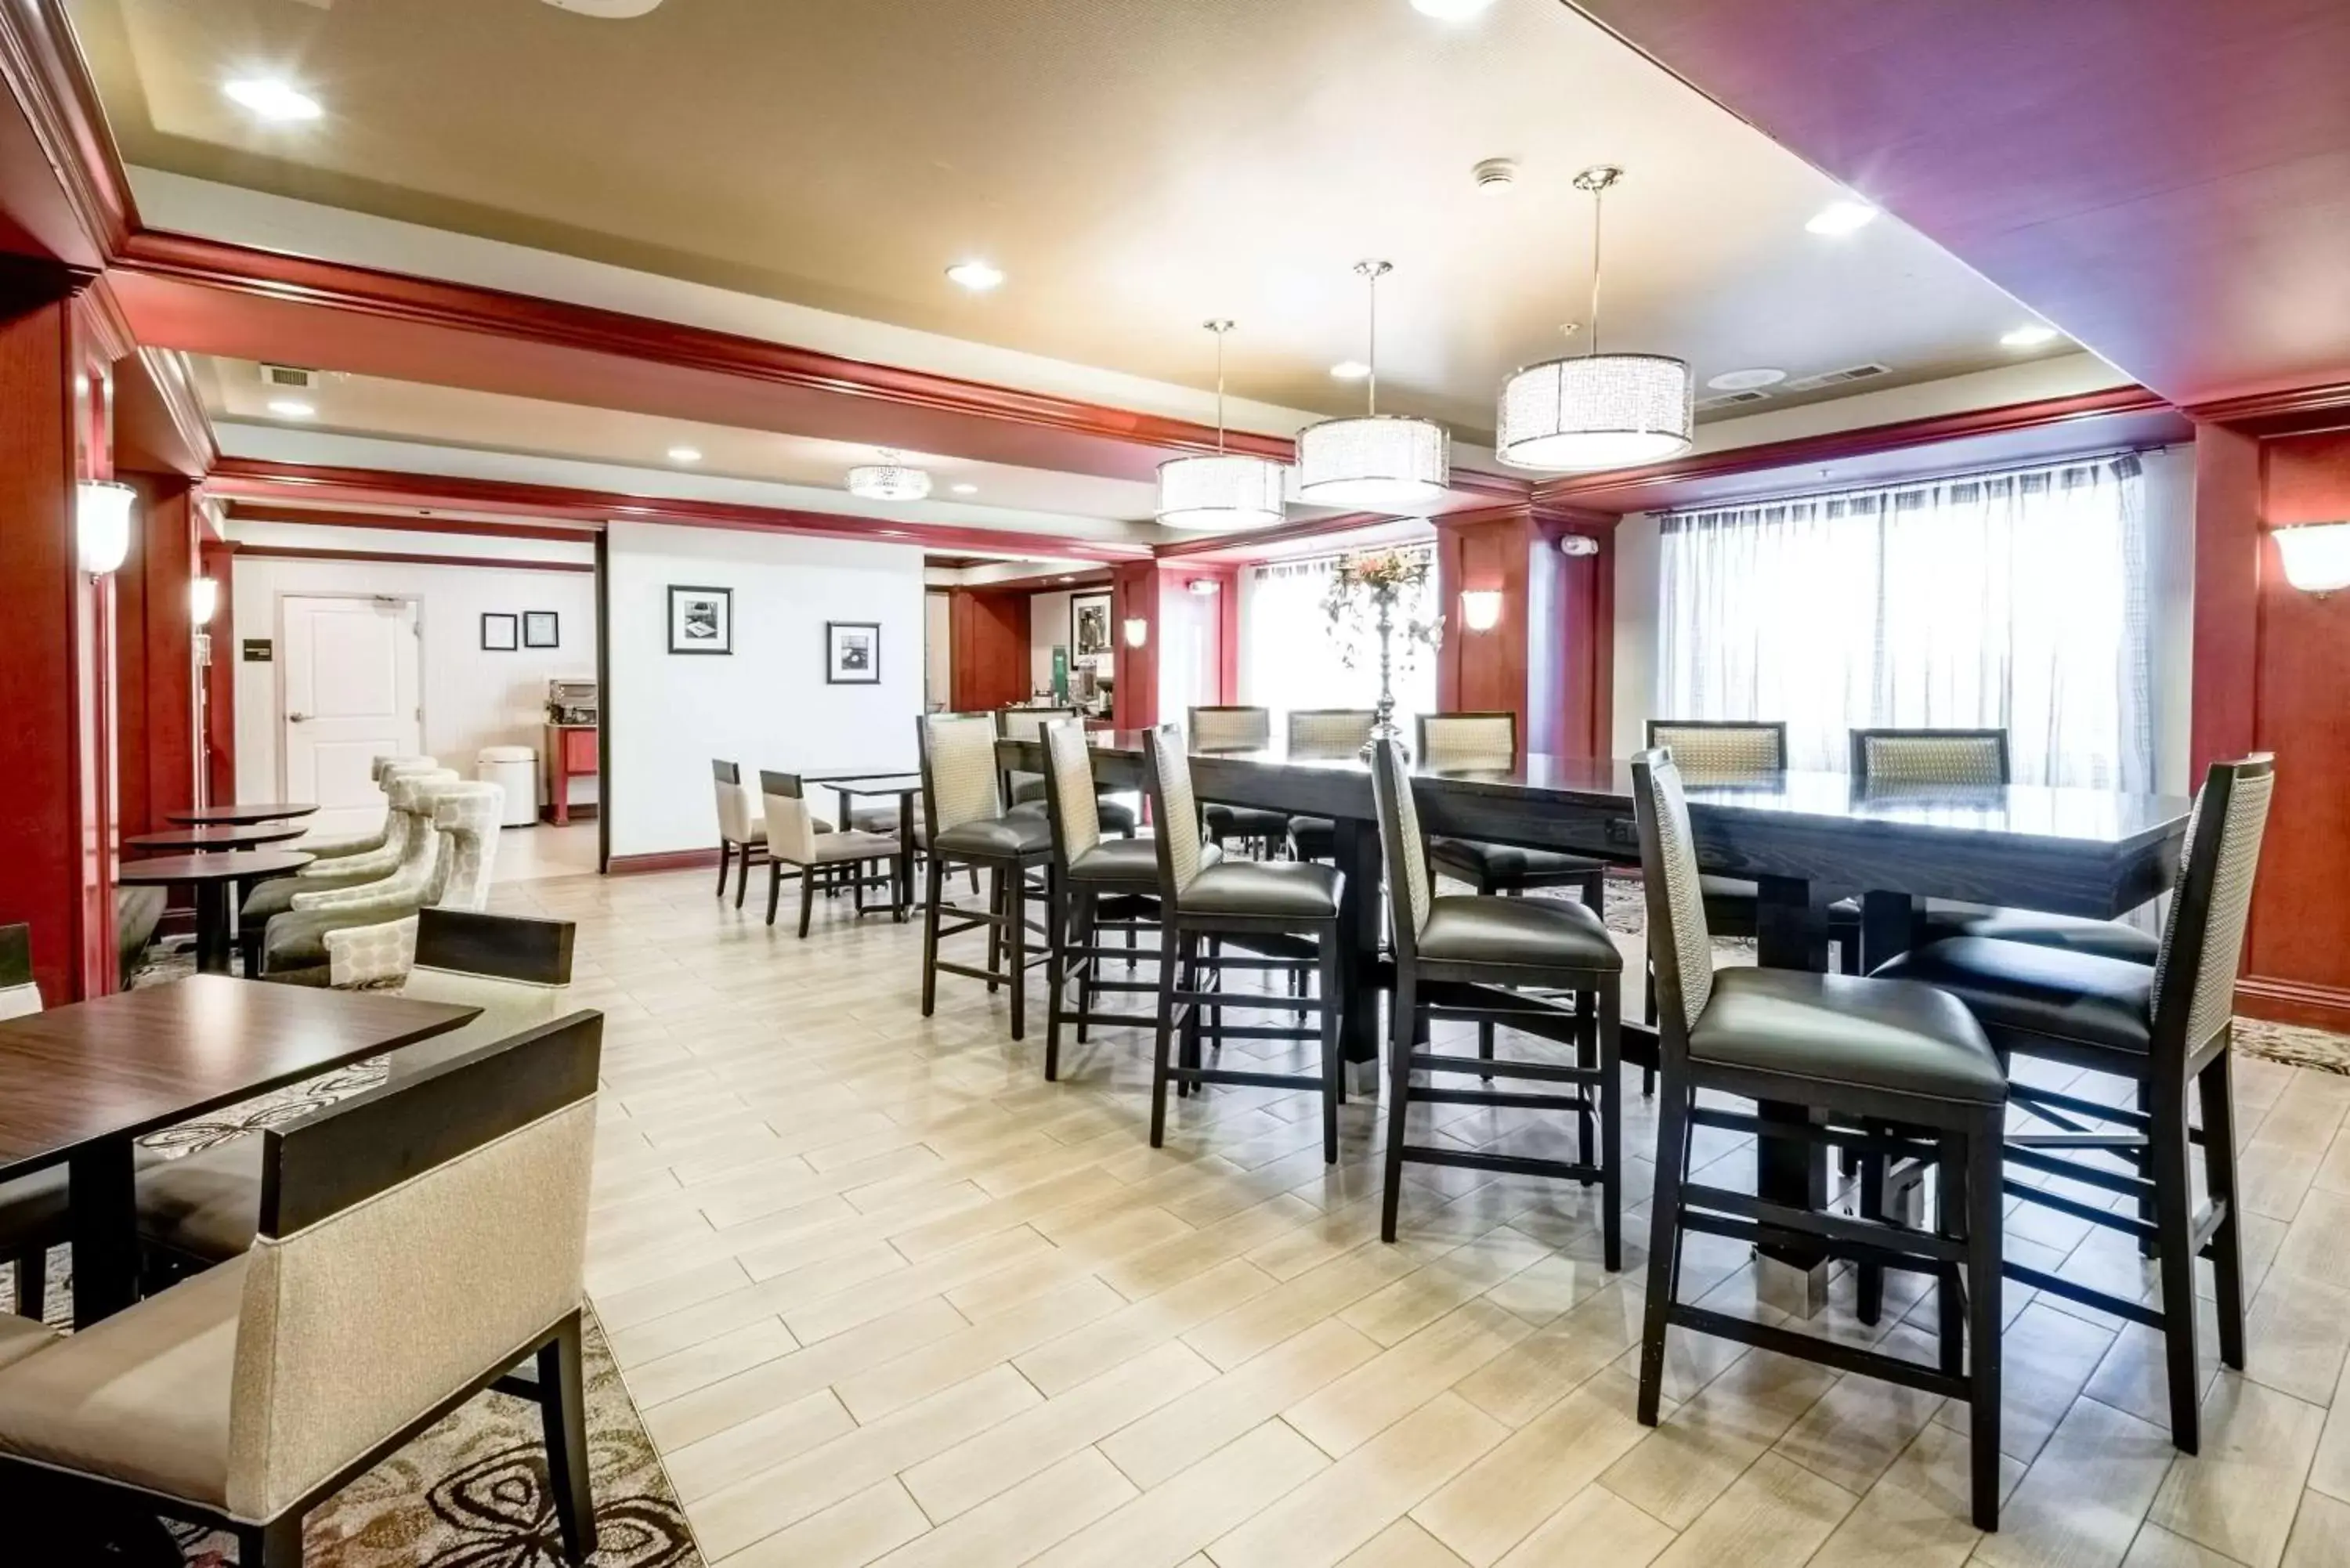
x: 1477, y: 743
x: 966, y: 824
x: 1323, y: 732
x: 1903, y: 1060
x: 353, y: 868
x: 2165, y: 1027
x: 836, y: 860
x: 1236, y: 729
x: 469, y: 818
x: 452, y: 853
x: 1222, y: 917
x: 1492, y: 961
x: 244, y: 1397
x: 1025, y: 789
x: 742, y: 831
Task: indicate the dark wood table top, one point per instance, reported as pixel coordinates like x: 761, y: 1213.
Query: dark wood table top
x: 263, y: 811
x: 906, y: 783
x: 222, y: 835
x: 166, y: 869
x: 120, y: 1065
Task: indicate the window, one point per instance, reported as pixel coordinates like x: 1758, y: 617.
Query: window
x: 2015, y: 600
x: 1292, y: 656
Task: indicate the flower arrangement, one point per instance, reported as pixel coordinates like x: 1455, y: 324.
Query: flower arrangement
x: 1377, y: 582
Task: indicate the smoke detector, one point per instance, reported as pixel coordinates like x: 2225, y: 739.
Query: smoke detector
x: 611, y: 10
x: 1494, y: 176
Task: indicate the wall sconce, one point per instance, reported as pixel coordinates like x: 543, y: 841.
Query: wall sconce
x: 1480, y: 609
x: 1575, y: 544
x: 1205, y: 588
x: 2317, y: 555
x: 1137, y: 631
x: 102, y: 523
x: 203, y: 599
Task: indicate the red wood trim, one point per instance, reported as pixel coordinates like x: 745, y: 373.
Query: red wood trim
x: 277, y: 552
x: 2298, y: 410
x: 664, y: 860
x: 1835, y: 446
x: 2292, y: 1002
x: 1134, y: 595
x: 254, y: 511
x: 94, y: 214
x: 217, y: 559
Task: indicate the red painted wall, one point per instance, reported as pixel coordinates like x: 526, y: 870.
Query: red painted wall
x: 1133, y: 595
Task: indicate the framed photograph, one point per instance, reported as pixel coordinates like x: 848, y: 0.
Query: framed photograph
x: 1089, y: 623
x: 541, y: 629
x: 852, y: 653
x: 701, y: 620
x: 500, y: 633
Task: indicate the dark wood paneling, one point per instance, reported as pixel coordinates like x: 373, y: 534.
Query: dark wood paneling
x: 1134, y: 595
x: 217, y: 559
x: 988, y: 663
x: 157, y: 742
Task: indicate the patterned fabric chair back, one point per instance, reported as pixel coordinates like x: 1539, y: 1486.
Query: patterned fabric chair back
x: 1069, y: 790
x: 958, y: 777
x: 1955, y: 758
x: 2203, y: 935
x: 1468, y: 740
x: 1330, y: 731
x: 1679, y: 944
x: 1167, y: 779
x: 387, y: 767
x: 1403, y: 844
x: 1028, y: 723
x: 737, y: 823
x: 791, y: 830
x: 1711, y: 753
x: 1230, y: 729
x: 418, y: 874
x: 466, y: 815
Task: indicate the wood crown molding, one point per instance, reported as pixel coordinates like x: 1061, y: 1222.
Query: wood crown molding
x: 43, y: 67
x: 254, y: 511
x: 2297, y: 411
x: 374, y: 557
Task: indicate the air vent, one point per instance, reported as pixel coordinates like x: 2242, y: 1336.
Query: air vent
x: 1849, y: 374
x: 288, y: 377
x: 1707, y: 405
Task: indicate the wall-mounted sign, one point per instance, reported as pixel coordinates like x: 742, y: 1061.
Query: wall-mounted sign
x: 257, y: 650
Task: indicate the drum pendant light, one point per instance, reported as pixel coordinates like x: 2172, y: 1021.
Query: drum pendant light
x: 1596, y: 410
x: 1388, y: 463
x: 1224, y: 493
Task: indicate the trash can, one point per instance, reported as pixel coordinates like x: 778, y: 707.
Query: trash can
x: 513, y: 769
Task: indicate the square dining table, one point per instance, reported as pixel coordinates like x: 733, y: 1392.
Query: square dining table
x: 80, y: 1083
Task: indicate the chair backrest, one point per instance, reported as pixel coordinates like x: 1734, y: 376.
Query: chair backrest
x: 2203, y: 935
x: 1225, y: 729
x: 958, y: 777
x: 1070, y: 807
x: 1027, y: 723
x: 791, y: 831
x: 1954, y: 757
x: 1722, y: 748
x: 1402, y: 844
x: 1469, y: 740
x: 1681, y: 946
x: 1329, y: 731
x: 517, y: 971
x: 413, y: 1239
x: 735, y: 825
x: 19, y: 994
x: 385, y: 767
x: 1174, y: 810
x: 467, y: 815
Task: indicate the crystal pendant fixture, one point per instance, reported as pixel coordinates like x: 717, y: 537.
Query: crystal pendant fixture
x: 1388, y: 462
x: 1222, y: 493
x: 889, y: 480
x: 1596, y: 410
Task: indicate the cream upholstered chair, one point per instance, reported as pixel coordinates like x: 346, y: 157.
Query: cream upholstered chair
x: 294, y: 948
x: 1473, y: 743
x: 965, y: 824
x: 353, y: 869
x: 1323, y: 732
x: 416, y: 1242
x: 467, y: 816
x: 1236, y: 729
x: 835, y: 859
x: 340, y: 846
x: 741, y: 830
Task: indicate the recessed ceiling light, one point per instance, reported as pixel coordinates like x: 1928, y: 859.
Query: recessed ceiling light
x: 1747, y: 380
x: 2030, y: 336
x: 964, y: 489
x: 1350, y: 370
x: 1842, y: 218
x: 1449, y: 10
x: 272, y: 99
x: 976, y: 275
x: 685, y: 454
x: 292, y: 409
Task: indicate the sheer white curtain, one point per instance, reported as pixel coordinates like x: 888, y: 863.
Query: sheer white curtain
x: 1290, y: 656
x: 2015, y: 600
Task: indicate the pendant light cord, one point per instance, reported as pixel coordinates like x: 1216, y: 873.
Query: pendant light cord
x: 1374, y: 347
x: 1598, y: 211
x: 1219, y: 332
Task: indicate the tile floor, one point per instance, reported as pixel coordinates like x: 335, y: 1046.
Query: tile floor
x: 886, y: 1296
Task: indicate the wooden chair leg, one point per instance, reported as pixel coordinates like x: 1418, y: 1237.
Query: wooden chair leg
x: 933, y: 877
x: 807, y: 897
x: 1179, y: 959
x: 725, y: 852
x: 2216, y: 1087
x: 563, y: 1410
x: 1015, y: 928
x: 775, y: 887
x: 1984, y: 1249
x: 1664, y: 1245
x: 1648, y: 1013
x: 277, y: 1544
x: 995, y: 904
x: 1084, y: 914
x: 1869, y: 1278
x: 2174, y: 1206
x: 1334, y: 1068
x: 1611, y: 1129
x: 32, y: 1267
x: 1403, y: 1014
x: 743, y: 882
x: 1950, y: 1297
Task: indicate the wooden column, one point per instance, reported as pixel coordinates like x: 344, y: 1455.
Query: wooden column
x: 216, y: 559
x: 1548, y: 657
x: 156, y: 670
x: 988, y: 628
x: 1133, y: 595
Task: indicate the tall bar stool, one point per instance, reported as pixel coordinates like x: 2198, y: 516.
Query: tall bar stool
x: 1230, y: 729
x: 1029, y: 789
x: 1322, y: 732
x: 1097, y: 885
x: 1487, y: 960
x: 836, y: 860
x: 1470, y: 742
x: 1897, y: 761
x: 1285, y: 914
x: 965, y: 824
x: 2163, y: 1026
x: 1899, y: 1056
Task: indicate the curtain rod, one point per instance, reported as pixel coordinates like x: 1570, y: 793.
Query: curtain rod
x: 1952, y: 476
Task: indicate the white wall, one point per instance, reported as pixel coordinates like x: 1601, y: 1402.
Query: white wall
x: 1189, y: 655
x: 938, y: 650
x: 767, y: 705
x: 471, y: 697
x: 1048, y: 627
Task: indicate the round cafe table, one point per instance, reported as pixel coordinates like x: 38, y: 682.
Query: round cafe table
x: 214, y: 839
x: 240, y: 814
x: 214, y: 878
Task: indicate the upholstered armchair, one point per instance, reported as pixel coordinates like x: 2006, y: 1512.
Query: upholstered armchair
x: 466, y: 816
x: 355, y: 869
x: 350, y: 844
x: 294, y: 948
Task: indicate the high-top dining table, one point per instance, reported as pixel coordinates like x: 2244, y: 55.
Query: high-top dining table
x: 1805, y: 839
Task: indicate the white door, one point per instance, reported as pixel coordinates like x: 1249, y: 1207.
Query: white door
x: 352, y: 690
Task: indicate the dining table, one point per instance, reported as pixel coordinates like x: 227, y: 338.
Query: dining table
x: 215, y: 877
x: 240, y: 812
x: 905, y: 786
x: 1804, y: 839
x: 79, y: 1085
x: 207, y: 838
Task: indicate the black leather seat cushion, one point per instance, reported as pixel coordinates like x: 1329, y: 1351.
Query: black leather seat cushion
x: 1518, y: 933
x: 2020, y: 992
x: 1115, y: 815
x: 1129, y: 863
x: 1502, y: 864
x: 1312, y: 837
x: 1024, y: 832
x: 1278, y: 889
x: 1244, y: 821
x: 1943, y: 918
x: 1840, y: 1029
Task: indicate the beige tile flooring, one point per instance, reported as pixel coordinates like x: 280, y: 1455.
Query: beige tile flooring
x: 885, y: 1296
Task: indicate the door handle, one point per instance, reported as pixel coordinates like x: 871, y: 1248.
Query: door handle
x: 297, y: 718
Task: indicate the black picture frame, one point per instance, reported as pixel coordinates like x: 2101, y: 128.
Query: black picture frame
x: 700, y: 619
x: 852, y: 653
x: 501, y: 632
x: 541, y: 629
